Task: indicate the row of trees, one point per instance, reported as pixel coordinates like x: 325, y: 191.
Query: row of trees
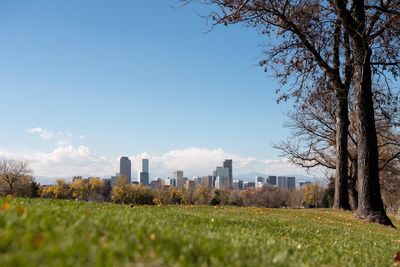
x: 94, y: 189
x: 326, y: 55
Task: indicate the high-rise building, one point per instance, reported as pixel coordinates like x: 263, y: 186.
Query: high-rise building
x: 125, y: 168
x: 282, y: 182
x: 222, y: 181
x: 144, y: 176
x: 114, y: 179
x: 238, y: 184
x: 156, y: 184
x: 214, y: 178
x: 291, y: 182
x: 178, y: 176
x: 190, y: 184
x: 228, y: 164
x: 271, y: 180
x: 207, y: 181
x: 197, y: 180
x: 145, y: 165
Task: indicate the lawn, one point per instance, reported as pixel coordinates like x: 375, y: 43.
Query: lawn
x: 37, y: 232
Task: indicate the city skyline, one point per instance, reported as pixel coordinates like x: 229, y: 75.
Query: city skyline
x: 222, y: 178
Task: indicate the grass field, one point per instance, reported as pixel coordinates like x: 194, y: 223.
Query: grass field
x: 36, y: 232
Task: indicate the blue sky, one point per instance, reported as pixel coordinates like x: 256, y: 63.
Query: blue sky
x: 134, y: 78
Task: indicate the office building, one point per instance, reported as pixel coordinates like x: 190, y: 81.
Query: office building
x: 222, y: 180
x: 190, y: 184
x: 291, y: 182
x: 197, y: 180
x: 207, y: 181
x: 114, y: 179
x: 157, y: 184
x: 214, y: 178
x: 145, y: 165
x: 282, y: 182
x: 180, y: 181
x: 228, y: 164
x: 238, y: 184
x: 125, y: 168
x: 271, y: 180
x: 144, y: 178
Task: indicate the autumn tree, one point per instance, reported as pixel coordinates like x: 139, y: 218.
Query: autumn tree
x: 15, y: 177
x: 313, y: 195
x: 79, y: 189
x: 61, y: 190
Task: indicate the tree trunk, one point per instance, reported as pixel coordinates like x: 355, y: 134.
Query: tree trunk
x: 341, y: 199
x: 353, y: 193
x: 370, y: 205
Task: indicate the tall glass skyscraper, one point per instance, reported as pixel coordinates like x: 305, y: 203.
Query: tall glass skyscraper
x: 228, y: 164
x: 144, y: 176
x: 125, y: 168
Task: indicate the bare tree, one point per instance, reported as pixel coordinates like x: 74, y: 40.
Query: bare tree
x: 311, y: 143
x: 310, y: 48
x: 15, y: 177
x: 312, y: 38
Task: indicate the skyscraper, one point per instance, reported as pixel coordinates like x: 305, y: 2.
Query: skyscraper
x: 145, y: 165
x: 222, y: 181
x: 271, y: 180
x: 125, y: 168
x: 207, y: 181
x: 282, y: 182
x: 178, y: 176
x: 144, y: 176
x: 291, y: 182
x: 228, y: 164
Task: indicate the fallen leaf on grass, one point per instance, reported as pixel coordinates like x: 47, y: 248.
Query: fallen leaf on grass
x: 5, y: 206
x: 20, y: 209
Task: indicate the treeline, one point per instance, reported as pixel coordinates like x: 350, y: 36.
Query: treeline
x: 95, y: 189
x: 16, y: 180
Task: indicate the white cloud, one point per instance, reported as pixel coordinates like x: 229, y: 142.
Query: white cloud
x: 63, y: 143
x: 44, y: 134
x: 67, y: 160
x: 82, y: 136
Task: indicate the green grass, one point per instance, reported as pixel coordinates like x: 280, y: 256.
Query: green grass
x: 69, y: 233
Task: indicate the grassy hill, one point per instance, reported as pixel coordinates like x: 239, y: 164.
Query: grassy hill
x: 35, y: 232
